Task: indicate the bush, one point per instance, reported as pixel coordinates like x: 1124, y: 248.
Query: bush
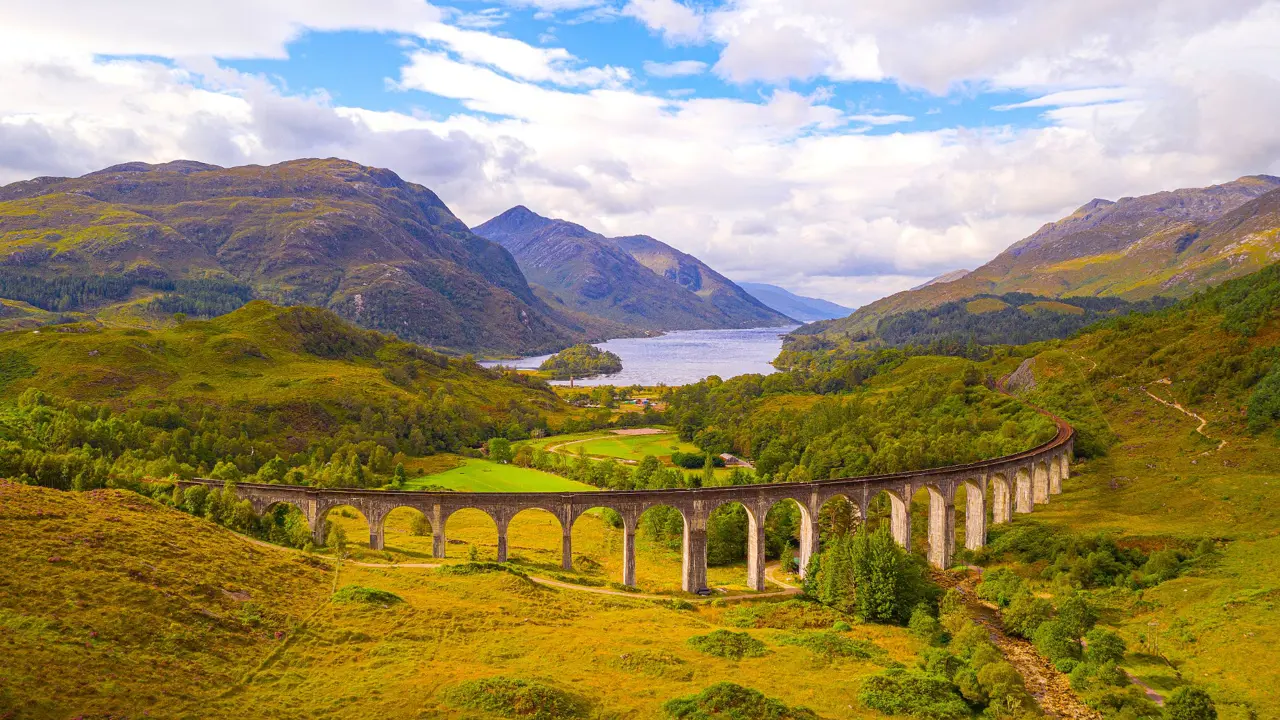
x: 733, y: 702
x: 925, y: 626
x: 728, y: 644
x: 786, y: 615
x: 1190, y: 703
x: 1055, y: 641
x: 515, y: 698
x: 1026, y: 613
x: 369, y: 596
x: 903, y: 692
x: 1103, y: 646
x: 832, y: 645
x: 841, y: 626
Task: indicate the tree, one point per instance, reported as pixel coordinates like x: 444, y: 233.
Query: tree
x: 1026, y: 613
x: 1077, y: 615
x: 336, y: 538
x: 708, y: 471
x: 500, y: 450
x: 399, y: 477
x: 1190, y: 703
x: 1103, y: 646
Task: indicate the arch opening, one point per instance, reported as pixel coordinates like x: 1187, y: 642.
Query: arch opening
x: 782, y: 523
x: 408, y: 531
x: 284, y: 523
x: 601, y: 545
x: 471, y: 533
x: 659, y: 549
x: 345, y: 529
x: 534, y: 537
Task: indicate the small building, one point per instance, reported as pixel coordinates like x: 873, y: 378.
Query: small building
x: 735, y: 461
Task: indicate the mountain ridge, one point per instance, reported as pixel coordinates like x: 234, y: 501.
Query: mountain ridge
x: 800, y: 307
x: 1168, y: 243
x: 635, y: 280
x: 378, y: 250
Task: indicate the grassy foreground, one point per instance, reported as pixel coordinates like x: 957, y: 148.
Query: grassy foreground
x: 106, y: 592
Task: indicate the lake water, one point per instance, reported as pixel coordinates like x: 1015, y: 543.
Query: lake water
x: 681, y: 357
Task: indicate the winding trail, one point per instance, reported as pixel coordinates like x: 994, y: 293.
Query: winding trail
x: 1177, y: 406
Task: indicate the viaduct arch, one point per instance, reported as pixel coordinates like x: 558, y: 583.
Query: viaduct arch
x: 1014, y: 483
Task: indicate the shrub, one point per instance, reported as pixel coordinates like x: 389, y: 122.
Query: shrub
x: 1103, y: 646
x: 1190, y: 703
x: 1055, y: 641
x: 1077, y: 615
x: 733, y: 702
x: 728, y: 644
x: 786, y: 615
x: 1000, y: 586
x: 369, y: 596
x: 925, y: 626
x: 903, y: 692
x: 1026, y: 613
x: 841, y: 626
x: 832, y: 645
x: 516, y: 698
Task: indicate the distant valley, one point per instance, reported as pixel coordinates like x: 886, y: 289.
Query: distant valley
x: 635, y: 280
x: 799, y: 307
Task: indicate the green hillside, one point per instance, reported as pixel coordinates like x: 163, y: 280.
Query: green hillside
x: 201, y: 240
x: 279, y: 392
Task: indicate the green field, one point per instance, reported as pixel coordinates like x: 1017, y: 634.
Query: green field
x: 632, y: 447
x: 483, y: 476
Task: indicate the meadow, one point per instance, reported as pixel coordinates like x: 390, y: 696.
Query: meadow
x: 477, y: 475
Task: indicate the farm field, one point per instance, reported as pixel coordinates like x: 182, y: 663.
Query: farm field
x: 476, y: 475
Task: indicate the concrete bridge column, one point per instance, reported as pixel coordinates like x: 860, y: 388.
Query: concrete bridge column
x: 693, y: 565
x: 942, y: 529
x: 1055, y: 476
x: 1066, y: 464
x: 1001, y: 500
x: 1023, y: 497
x: 628, y: 551
x: 437, y: 518
x: 1040, y: 483
x: 808, y: 539
x: 317, y: 530
x: 756, y: 546
x: 566, y: 537
x: 377, y: 533
x: 901, y: 519
x: 975, y: 514
x: 502, y: 538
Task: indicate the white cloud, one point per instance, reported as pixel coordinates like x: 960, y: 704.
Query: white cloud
x: 677, y: 22
x: 881, y: 118
x: 678, y: 68
x: 1069, y: 98
x: 781, y: 186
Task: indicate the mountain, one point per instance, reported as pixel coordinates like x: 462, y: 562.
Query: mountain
x: 635, y: 280
x: 804, y: 309
x: 201, y: 239
x: 945, y: 277
x: 1170, y: 243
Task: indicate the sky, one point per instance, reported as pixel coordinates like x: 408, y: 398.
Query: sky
x: 838, y: 148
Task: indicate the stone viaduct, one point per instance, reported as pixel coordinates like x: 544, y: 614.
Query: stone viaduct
x: 1007, y: 485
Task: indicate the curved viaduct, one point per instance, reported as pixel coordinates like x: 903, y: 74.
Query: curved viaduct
x: 1014, y: 483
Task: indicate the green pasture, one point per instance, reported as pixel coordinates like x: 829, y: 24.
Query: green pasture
x: 476, y: 475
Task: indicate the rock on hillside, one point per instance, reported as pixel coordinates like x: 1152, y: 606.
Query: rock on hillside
x: 1169, y: 243
x: 634, y: 280
x: 385, y: 253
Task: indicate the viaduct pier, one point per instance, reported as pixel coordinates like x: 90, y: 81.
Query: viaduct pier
x: 1006, y: 485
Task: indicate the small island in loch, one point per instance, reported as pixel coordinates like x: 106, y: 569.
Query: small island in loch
x: 581, y: 361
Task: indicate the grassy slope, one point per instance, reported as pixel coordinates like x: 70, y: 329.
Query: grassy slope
x: 169, y: 596
x: 104, y: 593
x: 1164, y: 483
x: 254, y: 354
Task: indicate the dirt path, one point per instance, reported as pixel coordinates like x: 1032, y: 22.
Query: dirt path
x: 1050, y: 688
x: 1177, y: 406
